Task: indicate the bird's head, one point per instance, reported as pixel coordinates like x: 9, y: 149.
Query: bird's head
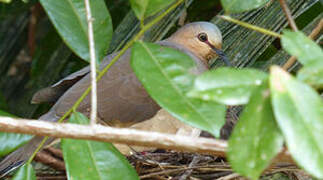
x: 203, y: 39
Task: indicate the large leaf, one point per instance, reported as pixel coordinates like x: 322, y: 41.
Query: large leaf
x: 299, y: 112
x: 146, y: 8
x: 297, y: 44
x: 312, y: 74
x: 94, y: 160
x: 11, y: 141
x: 69, y: 18
x: 256, y: 138
x: 227, y: 85
x: 237, y: 6
x: 167, y: 75
x: 25, y: 172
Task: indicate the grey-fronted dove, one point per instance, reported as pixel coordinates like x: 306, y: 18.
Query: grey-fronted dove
x: 122, y: 100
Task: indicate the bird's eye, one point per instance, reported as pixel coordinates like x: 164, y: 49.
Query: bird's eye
x: 202, y: 37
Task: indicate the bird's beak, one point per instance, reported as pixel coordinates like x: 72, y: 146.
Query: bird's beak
x: 222, y: 56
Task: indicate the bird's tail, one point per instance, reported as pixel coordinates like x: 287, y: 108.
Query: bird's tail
x: 17, y: 158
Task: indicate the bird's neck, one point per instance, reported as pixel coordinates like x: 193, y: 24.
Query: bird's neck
x: 201, y: 64
x: 179, y: 45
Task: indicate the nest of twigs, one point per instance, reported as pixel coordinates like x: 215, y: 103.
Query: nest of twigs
x: 162, y: 164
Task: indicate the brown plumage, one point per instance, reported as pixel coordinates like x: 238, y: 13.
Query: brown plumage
x: 122, y: 100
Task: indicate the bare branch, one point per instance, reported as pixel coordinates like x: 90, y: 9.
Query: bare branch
x: 288, y: 14
x: 93, y: 62
x: 98, y: 132
x: 316, y: 31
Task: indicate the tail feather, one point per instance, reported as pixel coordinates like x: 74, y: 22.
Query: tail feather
x: 19, y: 157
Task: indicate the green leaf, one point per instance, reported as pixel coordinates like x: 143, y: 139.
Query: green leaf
x: 299, y: 112
x: 167, y: 75
x: 312, y: 74
x: 69, y: 18
x: 25, y: 172
x: 297, y: 44
x: 5, y: 1
x: 237, y: 6
x: 256, y: 138
x: 94, y: 160
x: 227, y: 85
x: 11, y: 141
x: 146, y: 8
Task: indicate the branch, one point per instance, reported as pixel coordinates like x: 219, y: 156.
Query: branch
x: 316, y: 31
x: 250, y: 26
x: 98, y: 132
x: 288, y: 15
x: 93, y: 63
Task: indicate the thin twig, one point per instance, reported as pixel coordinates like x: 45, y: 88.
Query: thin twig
x: 120, y: 135
x: 193, y: 163
x: 230, y: 176
x: 288, y: 14
x: 46, y: 158
x: 250, y: 26
x: 315, y: 32
x: 93, y: 62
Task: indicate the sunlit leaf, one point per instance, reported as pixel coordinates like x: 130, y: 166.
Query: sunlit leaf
x: 146, y: 8
x: 167, y: 75
x: 312, y: 74
x: 25, y: 172
x: 256, y: 138
x: 237, y: 6
x: 11, y: 141
x: 227, y: 85
x: 94, y: 160
x: 69, y: 18
x: 5, y: 1
x: 299, y: 112
x: 297, y: 44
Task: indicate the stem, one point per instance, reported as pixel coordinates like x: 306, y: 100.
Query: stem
x: 250, y: 26
x: 315, y: 32
x: 288, y: 14
x: 128, y: 136
x: 38, y: 149
x: 105, y: 70
x: 93, y: 63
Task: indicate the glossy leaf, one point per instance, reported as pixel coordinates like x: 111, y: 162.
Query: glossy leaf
x: 227, y: 85
x: 237, y: 6
x: 94, y: 160
x: 146, y: 8
x: 25, y: 172
x: 297, y: 44
x: 167, y: 76
x: 11, y: 141
x: 312, y: 74
x: 299, y: 112
x: 256, y: 138
x: 69, y: 18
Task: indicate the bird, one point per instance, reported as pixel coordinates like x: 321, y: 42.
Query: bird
x: 122, y: 100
